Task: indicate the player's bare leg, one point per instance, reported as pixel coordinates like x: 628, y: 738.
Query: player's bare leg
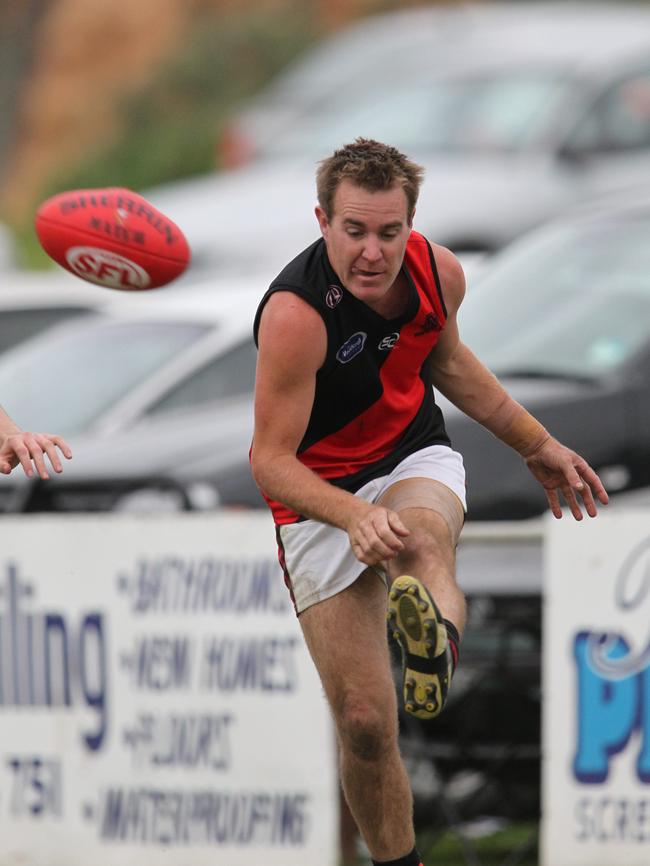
x: 426, y: 609
x: 346, y: 636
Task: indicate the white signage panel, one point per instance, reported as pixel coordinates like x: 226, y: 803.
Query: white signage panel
x: 157, y: 702
x: 596, y: 790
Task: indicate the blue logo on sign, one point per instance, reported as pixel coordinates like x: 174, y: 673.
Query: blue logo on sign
x: 613, y: 689
x: 351, y: 347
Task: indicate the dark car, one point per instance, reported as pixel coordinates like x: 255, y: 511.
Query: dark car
x: 562, y: 317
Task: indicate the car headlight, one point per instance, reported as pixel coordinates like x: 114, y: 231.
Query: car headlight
x: 616, y: 477
x: 203, y: 496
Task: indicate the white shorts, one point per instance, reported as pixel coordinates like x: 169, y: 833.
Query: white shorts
x: 318, y: 559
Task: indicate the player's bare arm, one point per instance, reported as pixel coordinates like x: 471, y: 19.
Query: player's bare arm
x: 29, y: 449
x: 292, y: 347
x: 466, y: 382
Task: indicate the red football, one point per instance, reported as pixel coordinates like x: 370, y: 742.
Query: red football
x: 112, y: 237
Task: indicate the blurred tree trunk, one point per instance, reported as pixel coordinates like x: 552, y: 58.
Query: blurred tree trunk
x: 19, y: 20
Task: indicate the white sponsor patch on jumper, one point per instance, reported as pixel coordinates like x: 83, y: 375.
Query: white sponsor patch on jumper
x: 388, y: 342
x: 106, y: 269
x: 334, y: 296
x: 351, y: 348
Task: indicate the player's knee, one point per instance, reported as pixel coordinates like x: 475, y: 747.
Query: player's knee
x: 365, y: 731
x: 428, y: 545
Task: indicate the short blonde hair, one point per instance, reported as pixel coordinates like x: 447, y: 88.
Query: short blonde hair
x: 371, y: 165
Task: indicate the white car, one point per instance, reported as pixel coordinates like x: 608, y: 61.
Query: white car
x: 153, y: 394
x: 31, y: 302
x: 516, y: 111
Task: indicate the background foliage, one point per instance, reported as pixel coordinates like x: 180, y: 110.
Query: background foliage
x: 169, y: 129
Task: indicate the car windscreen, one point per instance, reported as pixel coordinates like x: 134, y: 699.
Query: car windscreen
x: 492, y: 112
x: 229, y: 376
x: 21, y: 323
x: 575, y: 302
x: 65, y: 382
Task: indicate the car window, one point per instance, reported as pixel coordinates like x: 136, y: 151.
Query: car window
x: 230, y: 375
x: 17, y: 325
x: 498, y: 112
x: 619, y: 120
x: 65, y: 383
x: 575, y: 303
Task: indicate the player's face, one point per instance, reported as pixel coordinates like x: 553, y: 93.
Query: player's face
x: 366, y: 238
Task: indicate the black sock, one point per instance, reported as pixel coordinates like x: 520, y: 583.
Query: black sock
x: 412, y: 859
x: 453, y: 638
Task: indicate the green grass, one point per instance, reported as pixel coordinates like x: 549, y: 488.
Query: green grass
x: 515, y: 845
x: 497, y: 849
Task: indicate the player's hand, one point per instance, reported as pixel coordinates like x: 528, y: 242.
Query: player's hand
x: 29, y: 450
x: 376, y: 534
x: 560, y: 470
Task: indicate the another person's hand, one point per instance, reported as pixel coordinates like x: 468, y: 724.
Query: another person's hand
x: 560, y: 470
x: 29, y: 450
x: 376, y: 534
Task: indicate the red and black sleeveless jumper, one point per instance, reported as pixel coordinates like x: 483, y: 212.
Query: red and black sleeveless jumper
x: 374, y: 403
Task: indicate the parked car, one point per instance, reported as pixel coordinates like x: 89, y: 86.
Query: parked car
x: 374, y: 46
x: 516, y: 111
x: 563, y: 319
x: 562, y: 316
x: 154, y: 397
x: 31, y: 302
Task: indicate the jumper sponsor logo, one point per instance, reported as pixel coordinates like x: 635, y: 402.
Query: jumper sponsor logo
x: 388, y: 342
x: 334, y: 296
x: 613, y: 681
x: 106, y: 269
x: 46, y: 660
x: 431, y: 323
x: 351, y: 348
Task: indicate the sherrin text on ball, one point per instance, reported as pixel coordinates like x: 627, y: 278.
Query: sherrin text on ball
x: 112, y: 237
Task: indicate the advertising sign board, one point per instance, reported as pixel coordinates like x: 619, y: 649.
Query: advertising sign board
x: 596, y: 696
x: 157, y: 702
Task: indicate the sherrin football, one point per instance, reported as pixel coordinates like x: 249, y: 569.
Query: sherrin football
x: 113, y: 238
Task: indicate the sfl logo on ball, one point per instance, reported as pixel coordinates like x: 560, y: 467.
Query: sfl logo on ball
x: 106, y: 269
